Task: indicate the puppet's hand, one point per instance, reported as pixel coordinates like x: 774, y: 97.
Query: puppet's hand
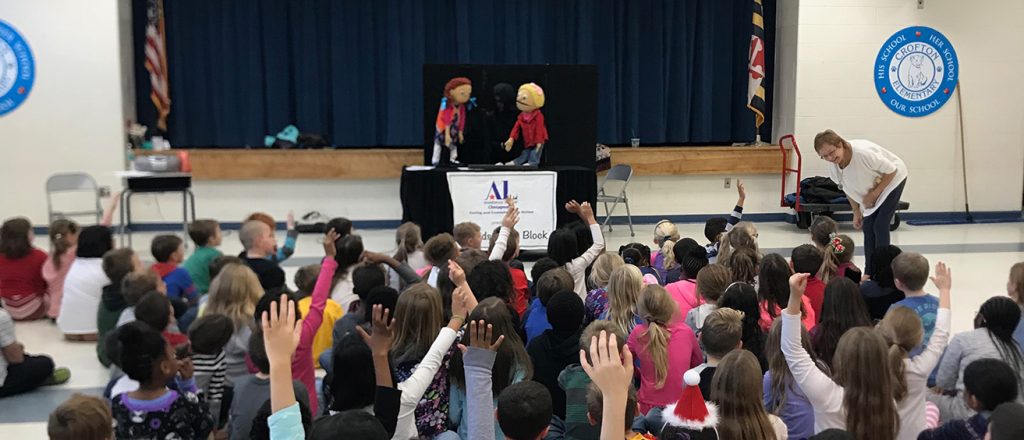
x: 447, y: 139
x: 462, y: 139
x: 508, y: 144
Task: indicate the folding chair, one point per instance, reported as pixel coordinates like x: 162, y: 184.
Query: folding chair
x: 617, y: 175
x: 72, y: 182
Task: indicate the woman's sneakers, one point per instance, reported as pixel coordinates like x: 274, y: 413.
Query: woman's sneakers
x: 60, y: 376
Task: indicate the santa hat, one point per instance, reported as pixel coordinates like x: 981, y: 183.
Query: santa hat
x: 691, y: 411
x: 534, y: 94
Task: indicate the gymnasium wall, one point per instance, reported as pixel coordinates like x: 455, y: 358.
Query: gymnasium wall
x: 837, y: 45
x: 73, y: 118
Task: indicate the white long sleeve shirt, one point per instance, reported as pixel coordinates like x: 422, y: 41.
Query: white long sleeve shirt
x: 911, y: 408
x: 417, y: 384
x: 578, y: 266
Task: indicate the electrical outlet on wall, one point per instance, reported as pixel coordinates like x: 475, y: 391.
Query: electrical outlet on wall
x: 104, y: 191
x: 728, y: 183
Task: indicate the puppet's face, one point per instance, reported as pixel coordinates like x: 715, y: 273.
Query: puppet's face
x: 462, y: 93
x: 524, y: 102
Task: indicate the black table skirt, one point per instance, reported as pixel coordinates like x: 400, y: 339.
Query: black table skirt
x: 427, y: 202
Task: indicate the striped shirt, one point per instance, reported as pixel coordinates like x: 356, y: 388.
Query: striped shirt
x: 210, y: 374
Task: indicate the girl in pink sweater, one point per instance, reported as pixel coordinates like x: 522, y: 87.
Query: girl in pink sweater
x: 302, y: 362
x: 692, y: 257
x: 665, y: 347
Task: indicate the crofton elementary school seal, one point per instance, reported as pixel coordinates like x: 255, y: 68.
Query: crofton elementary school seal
x: 916, y: 71
x: 17, y: 69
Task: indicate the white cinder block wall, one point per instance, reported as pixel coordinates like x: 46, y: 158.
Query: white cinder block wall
x: 825, y: 52
x: 837, y: 45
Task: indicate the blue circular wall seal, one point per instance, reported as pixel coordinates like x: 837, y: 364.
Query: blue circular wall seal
x: 916, y: 71
x: 17, y: 68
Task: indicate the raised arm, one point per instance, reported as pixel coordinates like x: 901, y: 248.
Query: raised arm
x: 479, y: 359
x: 288, y: 249
x: 507, y: 223
x: 108, y: 211
x: 321, y: 290
x: 406, y: 273
x: 387, y: 399
x: 925, y: 362
x: 586, y: 214
x: 818, y: 387
x: 737, y: 212
x: 612, y: 374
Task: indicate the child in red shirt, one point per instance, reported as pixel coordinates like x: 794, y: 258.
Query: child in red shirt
x: 807, y: 259
x: 22, y: 286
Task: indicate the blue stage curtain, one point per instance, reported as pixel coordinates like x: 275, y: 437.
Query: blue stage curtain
x: 670, y: 71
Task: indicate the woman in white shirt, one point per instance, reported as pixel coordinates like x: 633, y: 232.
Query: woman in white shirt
x: 872, y: 178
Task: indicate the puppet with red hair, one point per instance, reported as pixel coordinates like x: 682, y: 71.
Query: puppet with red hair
x: 451, y: 120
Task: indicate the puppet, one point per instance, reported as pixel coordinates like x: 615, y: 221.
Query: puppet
x: 531, y: 124
x: 451, y: 120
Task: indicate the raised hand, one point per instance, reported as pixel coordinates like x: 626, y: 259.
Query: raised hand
x: 797, y: 287
x: 480, y: 335
x: 511, y: 216
x: 586, y: 213
x: 608, y: 369
x: 374, y: 257
x: 281, y: 331
x: 741, y: 190
x: 456, y: 273
x: 573, y: 206
x: 330, y: 239
x: 943, y: 278
x: 290, y: 220
x: 383, y: 335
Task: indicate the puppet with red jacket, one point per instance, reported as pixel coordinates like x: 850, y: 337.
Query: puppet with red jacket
x: 530, y: 124
x: 451, y: 120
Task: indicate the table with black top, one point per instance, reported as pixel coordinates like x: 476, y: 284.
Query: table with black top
x: 427, y: 201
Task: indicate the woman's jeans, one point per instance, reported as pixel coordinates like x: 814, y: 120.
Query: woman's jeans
x: 876, y: 226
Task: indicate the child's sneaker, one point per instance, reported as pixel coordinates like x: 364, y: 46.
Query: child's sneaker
x: 60, y: 376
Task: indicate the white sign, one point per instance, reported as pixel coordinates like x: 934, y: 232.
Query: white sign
x: 480, y: 198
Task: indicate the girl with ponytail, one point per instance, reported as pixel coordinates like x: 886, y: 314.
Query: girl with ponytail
x: 992, y: 337
x: 410, y: 246
x: 744, y: 236
x: 837, y: 259
x: 824, y: 234
x: 903, y: 331
x: 63, y: 242
x: 666, y: 234
x: 664, y: 346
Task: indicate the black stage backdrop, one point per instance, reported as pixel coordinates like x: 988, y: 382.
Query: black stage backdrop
x: 570, y: 112
x: 672, y: 71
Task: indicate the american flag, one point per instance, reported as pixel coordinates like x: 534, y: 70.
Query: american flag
x: 156, y: 61
x: 756, y: 69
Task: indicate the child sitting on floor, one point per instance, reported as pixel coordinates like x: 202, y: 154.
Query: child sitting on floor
x: 286, y: 251
x: 208, y: 336
x: 206, y: 235
x: 117, y: 264
x: 81, y: 417
x: 155, y: 411
x: 20, y: 372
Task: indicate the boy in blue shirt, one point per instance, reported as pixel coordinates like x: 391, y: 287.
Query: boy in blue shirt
x: 910, y: 271
x: 169, y: 252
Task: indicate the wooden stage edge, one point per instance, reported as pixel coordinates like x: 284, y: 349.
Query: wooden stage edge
x: 356, y: 164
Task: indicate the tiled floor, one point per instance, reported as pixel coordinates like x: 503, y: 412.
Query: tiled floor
x: 980, y: 257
